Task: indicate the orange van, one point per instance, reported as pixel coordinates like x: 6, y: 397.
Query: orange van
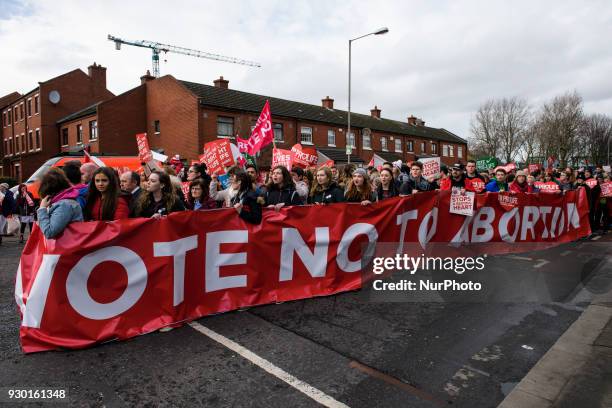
x: 119, y: 163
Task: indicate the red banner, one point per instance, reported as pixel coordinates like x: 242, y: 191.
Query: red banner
x: 102, y: 281
x: 282, y: 157
x: 263, y: 133
x: 144, y: 152
x: 243, y: 145
x: 304, y: 157
x: 591, y: 182
x: 548, y: 187
x: 218, y: 155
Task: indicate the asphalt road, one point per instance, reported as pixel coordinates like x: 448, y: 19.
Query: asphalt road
x: 357, y: 352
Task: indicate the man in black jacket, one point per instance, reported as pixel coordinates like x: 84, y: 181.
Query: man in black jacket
x: 130, y: 184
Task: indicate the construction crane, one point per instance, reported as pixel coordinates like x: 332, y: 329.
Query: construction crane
x: 158, y: 47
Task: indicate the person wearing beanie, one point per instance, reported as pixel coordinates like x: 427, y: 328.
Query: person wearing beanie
x: 359, y: 188
x: 520, y: 184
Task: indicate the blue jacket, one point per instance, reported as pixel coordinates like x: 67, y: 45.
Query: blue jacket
x: 82, y: 198
x: 494, y: 188
x: 53, y: 221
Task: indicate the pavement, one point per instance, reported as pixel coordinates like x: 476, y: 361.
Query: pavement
x: 343, y: 350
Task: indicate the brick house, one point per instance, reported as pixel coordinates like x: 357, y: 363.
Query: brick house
x: 182, y: 116
x: 29, y: 130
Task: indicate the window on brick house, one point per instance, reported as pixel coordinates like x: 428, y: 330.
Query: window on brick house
x: 3, y: 119
x: 383, y: 143
x: 410, y: 145
x: 93, y: 130
x: 460, y: 152
x: 10, y: 117
x: 306, y: 135
x: 15, y: 115
x: 79, y: 132
x: 64, y: 136
x: 37, y: 139
x: 21, y: 115
x: 225, y: 126
x: 351, y: 140
x: 23, y: 143
x: 331, y: 137
x: 29, y: 107
x: 423, y: 147
x: 17, y: 146
x: 278, y: 132
x: 30, y: 140
x: 156, y: 127
x: 10, y: 146
x: 36, y: 104
x: 434, y: 148
x: 451, y: 150
x: 5, y: 147
x: 367, y: 142
x: 398, y: 144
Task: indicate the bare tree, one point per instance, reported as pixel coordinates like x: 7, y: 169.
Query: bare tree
x: 499, y: 127
x: 596, y: 132
x: 561, y: 121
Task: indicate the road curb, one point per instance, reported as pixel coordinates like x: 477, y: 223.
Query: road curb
x: 544, y: 383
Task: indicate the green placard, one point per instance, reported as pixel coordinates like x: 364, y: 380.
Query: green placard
x: 486, y: 163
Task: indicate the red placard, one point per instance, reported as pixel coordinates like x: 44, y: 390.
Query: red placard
x: 282, y: 157
x: 548, y: 187
x: 534, y: 167
x: 606, y: 189
x: 217, y: 156
x: 144, y: 152
x: 478, y: 184
x: 304, y: 157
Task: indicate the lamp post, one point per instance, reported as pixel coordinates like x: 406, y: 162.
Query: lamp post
x: 380, y: 31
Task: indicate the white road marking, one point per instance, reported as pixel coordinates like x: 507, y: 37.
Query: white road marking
x: 541, y: 263
x: 311, y: 392
x: 565, y: 253
x: 596, y: 237
x: 522, y: 258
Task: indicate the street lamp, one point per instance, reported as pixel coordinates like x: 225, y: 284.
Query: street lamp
x: 380, y: 31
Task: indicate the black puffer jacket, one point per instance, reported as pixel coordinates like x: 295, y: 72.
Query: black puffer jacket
x: 287, y: 195
x: 251, y: 209
x: 332, y: 194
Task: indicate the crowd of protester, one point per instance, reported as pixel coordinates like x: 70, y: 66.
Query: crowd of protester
x: 85, y: 192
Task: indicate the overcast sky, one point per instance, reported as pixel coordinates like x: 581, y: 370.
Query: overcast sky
x: 440, y: 60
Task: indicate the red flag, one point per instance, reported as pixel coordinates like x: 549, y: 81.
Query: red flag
x: 371, y: 163
x: 263, y: 133
x: 243, y: 144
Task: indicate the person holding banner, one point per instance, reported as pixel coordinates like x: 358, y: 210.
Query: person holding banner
x: 456, y: 179
x: 565, y: 182
x: 301, y: 185
x: 324, y: 189
x: 280, y: 190
x: 58, y: 206
x: 520, y: 184
x: 105, y: 202
x: 359, y: 189
x: 499, y: 183
x: 531, y: 181
x: 245, y: 201
x: 199, y: 198
x: 160, y: 198
x: 387, y: 187
x: 226, y: 195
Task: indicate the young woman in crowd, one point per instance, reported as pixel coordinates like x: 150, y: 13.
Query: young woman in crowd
x: 387, y: 187
x: 159, y: 198
x: 26, y: 208
x: 324, y: 189
x: 58, y: 206
x: 105, y: 202
x: 225, y: 196
x: 245, y: 200
x: 360, y: 189
x: 520, y: 184
x: 531, y: 182
x: 199, y: 198
x: 281, y: 190
x: 565, y: 181
x: 346, y: 175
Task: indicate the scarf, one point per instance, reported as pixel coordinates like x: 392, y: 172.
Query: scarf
x: 70, y: 193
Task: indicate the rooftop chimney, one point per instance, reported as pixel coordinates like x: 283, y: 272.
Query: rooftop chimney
x: 98, y: 74
x: 327, y: 102
x: 146, y: 77
x: 221, y: 83
x: 375, y: 112
x: 412, y: 120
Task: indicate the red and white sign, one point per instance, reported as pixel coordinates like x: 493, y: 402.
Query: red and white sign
x: 591, y: 182
x: 328, y: 163
x: 462, y: 203
x: 243, y: 144
x: 144, y: 152
x: 282, y: 157
x: 218, y: 155
x: 534, y: 167
x: 102, y: 281
x: 304, y: 157
x: 508, y: 201
x: 185, y: 189
x: 548, y: 187
x: 508, y: 167
x: 431, y: 166
x: 478, y: 185
x: 263, y: 133
x: 606, y: 189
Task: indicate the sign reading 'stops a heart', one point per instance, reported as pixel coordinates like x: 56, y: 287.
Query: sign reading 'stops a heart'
x: 304, y: 157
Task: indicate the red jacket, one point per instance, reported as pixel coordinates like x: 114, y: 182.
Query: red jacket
x: 516, y: 188
x: 466, y: 183
x: 121, y: 212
